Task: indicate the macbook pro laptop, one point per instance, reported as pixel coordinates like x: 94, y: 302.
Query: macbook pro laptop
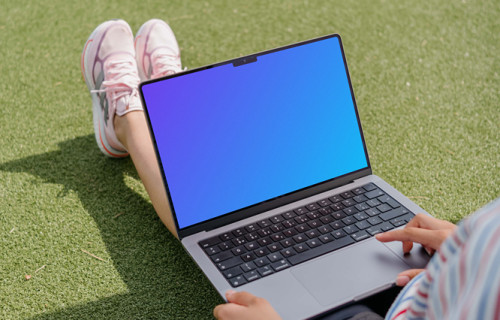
x: 269, y: 182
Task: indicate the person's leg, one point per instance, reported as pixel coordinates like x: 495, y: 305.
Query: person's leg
x: 110, y: 71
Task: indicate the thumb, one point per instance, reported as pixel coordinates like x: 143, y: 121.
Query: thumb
x: 242, y: 298
x: 405, y: 276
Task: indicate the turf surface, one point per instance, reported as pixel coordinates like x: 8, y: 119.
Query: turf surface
x: 427, y: 81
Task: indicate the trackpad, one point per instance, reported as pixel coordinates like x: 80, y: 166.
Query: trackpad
x: 349, y: 273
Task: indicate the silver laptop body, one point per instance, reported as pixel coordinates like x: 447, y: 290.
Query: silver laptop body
x: 300, y: 291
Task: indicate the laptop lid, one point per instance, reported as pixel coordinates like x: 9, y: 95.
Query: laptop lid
x: 250, y: 134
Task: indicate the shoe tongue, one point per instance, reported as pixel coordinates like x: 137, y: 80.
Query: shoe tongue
x: 164, y: 60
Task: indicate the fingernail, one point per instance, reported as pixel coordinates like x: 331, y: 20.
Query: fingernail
x: 401, y: 281
x: 378, y: 235
x: 230, y: 293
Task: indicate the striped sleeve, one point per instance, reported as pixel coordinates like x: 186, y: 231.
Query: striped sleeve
x: 462, y: 280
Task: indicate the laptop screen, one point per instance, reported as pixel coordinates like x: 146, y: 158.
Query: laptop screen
x: 231, y: 136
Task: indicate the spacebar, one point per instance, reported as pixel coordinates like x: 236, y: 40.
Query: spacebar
x: 316, y: 252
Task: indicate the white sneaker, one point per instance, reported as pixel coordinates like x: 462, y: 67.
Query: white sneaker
x: 157, y: 51
x: 110, y: 71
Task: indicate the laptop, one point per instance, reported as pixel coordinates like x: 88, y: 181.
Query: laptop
x: 269, y: 181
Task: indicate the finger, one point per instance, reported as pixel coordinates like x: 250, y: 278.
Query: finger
x: 404, y: 277
x: 228, y: 311
x: 425, y: 237
x: 242, y: 298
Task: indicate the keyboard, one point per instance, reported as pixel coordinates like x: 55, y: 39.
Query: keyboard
x: 287, y: 239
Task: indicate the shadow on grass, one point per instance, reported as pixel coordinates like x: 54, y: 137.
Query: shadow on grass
x: 161, y: 279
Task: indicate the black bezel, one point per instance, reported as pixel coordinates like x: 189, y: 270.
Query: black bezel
x: 271, y: 203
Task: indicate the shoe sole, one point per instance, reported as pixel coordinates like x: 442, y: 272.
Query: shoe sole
x: 97, y: 112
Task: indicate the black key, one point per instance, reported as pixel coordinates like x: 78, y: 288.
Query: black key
x: 290, y: 232
x: 259, y: 262
x: 393, y: 213
x: 273, y: 257
x: 210, y: 242
x: 226, y: 245
x: 264, y: 242
x: 313, y: 215
x: 337, y: 225
x: 289, y: 223
x: 252, y: 275
x: 212, y: 250
x: 350, y: 210
x: 363, y: 225
x: 337, y: 206
x: 349, y: 220
x: 312, y: 233
x: 222, y: 256
x: 405, y: 218
x: 239, y: 241
x: 276, y: 219
x: 374, y: 193
x: 324, y: 211
x: 247, y: 257
x: 358, y: 191
x: 370, y: 187
x: 288, y: 215
x: 325, y: 229
x: 237, y: 281
x: 374, y: 221
x: 238, y: 250
x: 386, y: 226
x: 360, y: 235
x: 265, y: 271
x: 350, y: 229
x: 336, y: 198
x: 248, y: 266
x: 339, y: 215
x: 338, y: 234
x: 280, y: 265
x: 226, y: 236
x: 348, y: 202
x: 274, y: 247
x: 264, y: 223
x: 326, y: 238
x: 288, y: 252
x: 277, y: 237
x: 314, y: 223
x: 251, y: 227
x: 264, y: 232
x: 373, y: 203
x: 302, y: 228
x: 361, y: 198
x: 232, y: 272
x: 374, y: 230
x: 301, y: 219
x: 312, y: 206
x: 301, y: 247
x: 327, y: 247
x: 384, y: 207
x: 301, y: 210
x: 239, y: 232
x: 398, y: 223
x: 324, y: 202
x: 347, y: 194
x: 326, y: 219
x: 362, y: 206
x: 261, y: 252
x: 372, y: 212
x: 251, y: 245
x: 277, y: 227
x: 313, y: 243
x: 287, y: 243
x: 300, y: 238
x: 251, y: 236
x: 226, y: 264
x: 393, y: 203
x: 361, y: 216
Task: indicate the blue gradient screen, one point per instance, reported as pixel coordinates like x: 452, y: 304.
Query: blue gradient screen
x: 230, y: 137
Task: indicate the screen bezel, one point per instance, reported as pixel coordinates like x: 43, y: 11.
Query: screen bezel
x: 273, y: 203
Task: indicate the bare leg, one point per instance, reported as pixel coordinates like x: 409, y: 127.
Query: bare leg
x: 132, y: 131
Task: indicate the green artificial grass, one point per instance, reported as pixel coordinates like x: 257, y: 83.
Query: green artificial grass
x: 426, y: 77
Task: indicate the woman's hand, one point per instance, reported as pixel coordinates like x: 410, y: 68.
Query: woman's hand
x: 426, y: 230
x: 245, y: 306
